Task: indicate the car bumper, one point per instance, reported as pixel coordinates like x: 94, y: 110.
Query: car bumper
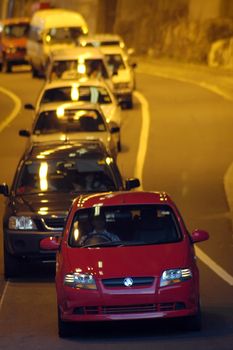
x: 27, y: 245
x: 80, y: 305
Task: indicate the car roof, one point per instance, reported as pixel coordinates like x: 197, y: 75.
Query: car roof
x: 77, y: 53
x: 15, y: 20
x: 70, y: 149
x: 101, y: 37
x: 69, y: 105
x: 123, y: 198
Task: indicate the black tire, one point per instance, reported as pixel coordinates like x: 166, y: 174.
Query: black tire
x: 11, y: 265
x: 129, y: 103
x: 194, y: 323
x: 119, y: 147
x: 6, y: 66
x: 35, y: 73
x: 64, y: 328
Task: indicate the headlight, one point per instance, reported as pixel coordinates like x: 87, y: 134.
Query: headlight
x: 79, y: 280
x: 175, y: 276
x: 21, y: 223
x: 11, y: 50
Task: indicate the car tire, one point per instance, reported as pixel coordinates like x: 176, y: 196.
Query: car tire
x: 64, y: 328
x: 194, y: 323
x: 119, y: 147
x: 11, y: 265
x: 129, y: 103
x: 6, y: 66
x: 35, y: 73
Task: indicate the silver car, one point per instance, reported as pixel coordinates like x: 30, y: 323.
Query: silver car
x: 72, y: 121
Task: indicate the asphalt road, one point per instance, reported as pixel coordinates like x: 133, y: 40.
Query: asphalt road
x: 189, y: 150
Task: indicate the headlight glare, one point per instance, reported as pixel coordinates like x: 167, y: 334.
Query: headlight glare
x: 173, y: 276
x: 80, y: 280
x: 21, y: 223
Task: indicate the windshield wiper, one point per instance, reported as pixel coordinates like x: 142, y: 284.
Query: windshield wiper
x: 104, y: 244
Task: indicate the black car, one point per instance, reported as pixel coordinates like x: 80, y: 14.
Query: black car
x: 49, y: 176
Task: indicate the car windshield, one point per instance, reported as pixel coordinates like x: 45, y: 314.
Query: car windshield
x: 115, y: 62
x: 81, y: 175
x: 63, y: 35
x: 126, y: 225
x: 19, y: 30
x: 93, y: 94
x: 67, y: 121
x: 75, y: 69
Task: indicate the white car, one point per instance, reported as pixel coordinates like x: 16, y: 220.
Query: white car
x: 72, y: 121
x: 123, y: 75
x: 85, y: 90
x: 77, y: 63
x: 104, y: 39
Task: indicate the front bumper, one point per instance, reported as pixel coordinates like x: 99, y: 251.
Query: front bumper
x: 138, y: 303
x: 27, y: 244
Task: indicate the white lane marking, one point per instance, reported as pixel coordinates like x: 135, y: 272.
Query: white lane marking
x: 144, y: 136
x: 208, y: 86
x: 15, y: 111
x: 213, y: 266
x: 3, y: 294
x: 138, y: 173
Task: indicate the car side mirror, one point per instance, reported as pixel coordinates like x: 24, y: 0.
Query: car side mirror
x: 29, y: 106
x: 132, y: 183
x: 4, y: 189
x: 199, y: 236
x: 24, y: 133
x: 134, y: 65
x: 114, y: 127
x: 50, y: 243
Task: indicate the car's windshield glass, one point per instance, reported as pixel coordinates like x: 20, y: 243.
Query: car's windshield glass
x: 93, y: 94
x: 16, y: 30
x: 66, y: 121
x: 125, y: 225
x: 73, y: 69
x: 81, y: 175
x: 115, y: 62
x: 63, y: 35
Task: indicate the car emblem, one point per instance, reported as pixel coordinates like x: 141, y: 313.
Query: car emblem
x: 128, y: 282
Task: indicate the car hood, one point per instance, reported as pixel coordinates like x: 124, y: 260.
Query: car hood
x: 128, y: 261
x: 122, y: 76
x: 103, y: 136
x: 16, y: 42
x: 111, y: 113
x: 43, y: 204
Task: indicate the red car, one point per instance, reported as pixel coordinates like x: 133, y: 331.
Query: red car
x: 125, y: 256
x: 13, y: 41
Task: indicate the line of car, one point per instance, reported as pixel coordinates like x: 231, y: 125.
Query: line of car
x: 139, y: 261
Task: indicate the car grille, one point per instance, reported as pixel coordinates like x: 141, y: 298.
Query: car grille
x: 53, y: 224
x: 119, y: 282
x: 128, y: 309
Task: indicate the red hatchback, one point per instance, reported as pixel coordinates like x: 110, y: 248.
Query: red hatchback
x: 125, y: 256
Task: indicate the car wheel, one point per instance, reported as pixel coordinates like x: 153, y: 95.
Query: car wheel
x: 11, y: 265
x: 35, y: 73
x: 6, y: 66
x: 194, y: 323
x: 64, y: 328
x: 119, y: 147
x: 129, y: 103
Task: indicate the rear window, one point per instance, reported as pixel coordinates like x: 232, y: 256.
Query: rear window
x: 93, y: 94
x: 124, y: 225
x: 67, y: 121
